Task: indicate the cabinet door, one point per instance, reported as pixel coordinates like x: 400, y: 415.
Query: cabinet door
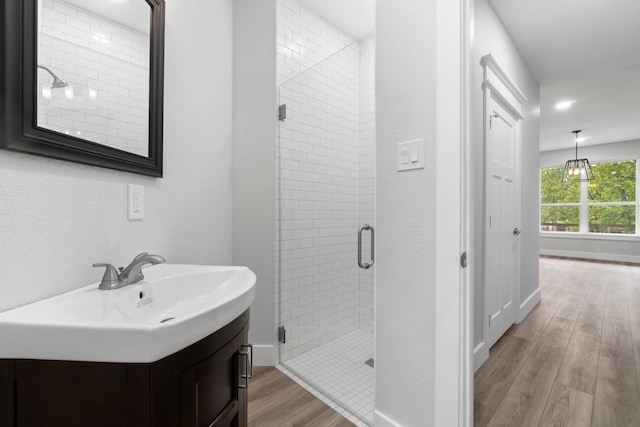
x: 80, y: 394
x: 209, y: 395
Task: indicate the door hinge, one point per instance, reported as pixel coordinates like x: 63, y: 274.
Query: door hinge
x: 282, y: 334
x: 463, y: 260
x: 282, y: 112
x: 489, y: 320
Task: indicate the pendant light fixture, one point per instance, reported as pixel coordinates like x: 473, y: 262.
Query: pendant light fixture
x: 578, y: 169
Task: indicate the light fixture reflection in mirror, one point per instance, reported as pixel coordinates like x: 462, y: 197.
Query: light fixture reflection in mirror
x: 68, y: 92
x: 92, y: 50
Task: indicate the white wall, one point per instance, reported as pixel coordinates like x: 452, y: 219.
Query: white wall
x: 406, y: 214
x: 58, y: 217
x: 613, y: 248
x: 610, y: 248
x: 595, y: 153
x: 491, y: 37
x: 254, y: 132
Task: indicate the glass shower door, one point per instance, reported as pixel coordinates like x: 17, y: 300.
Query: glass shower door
x: 326, y: 190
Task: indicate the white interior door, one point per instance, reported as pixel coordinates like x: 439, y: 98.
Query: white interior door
x: 501, y: 243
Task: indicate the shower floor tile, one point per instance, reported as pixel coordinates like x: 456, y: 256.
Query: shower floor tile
x: 338, y: 370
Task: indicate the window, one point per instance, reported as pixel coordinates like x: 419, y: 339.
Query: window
x: 560, y: 202
x: 612, y: 198
x: 606, y: 205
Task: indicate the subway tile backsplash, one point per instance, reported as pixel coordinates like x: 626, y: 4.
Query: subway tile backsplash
x: 326, y: 179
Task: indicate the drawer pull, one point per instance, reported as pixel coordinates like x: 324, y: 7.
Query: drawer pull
x: 246, y: 352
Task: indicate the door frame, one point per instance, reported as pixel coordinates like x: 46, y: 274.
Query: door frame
x: 454, y: 304
x: 454, y: 293
x: 498, y: 86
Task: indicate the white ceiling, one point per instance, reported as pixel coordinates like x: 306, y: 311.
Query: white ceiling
x: 354, y: 17
x: 582, y: 50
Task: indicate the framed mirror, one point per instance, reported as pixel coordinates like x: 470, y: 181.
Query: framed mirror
x: 82, y: 81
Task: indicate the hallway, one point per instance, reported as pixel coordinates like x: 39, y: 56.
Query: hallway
x: 575, y: 359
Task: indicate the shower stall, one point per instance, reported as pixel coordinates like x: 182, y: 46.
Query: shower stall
x: 325, y: 226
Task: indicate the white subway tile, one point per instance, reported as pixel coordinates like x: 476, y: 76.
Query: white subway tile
x: 321, y: 172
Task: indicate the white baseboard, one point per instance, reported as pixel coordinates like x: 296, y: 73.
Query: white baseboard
x: 527, y: 305
x: 264, y: 355
x: 591, y: 255
x: 481, y: 351
x: 381, y: 420
x: 480, y: 355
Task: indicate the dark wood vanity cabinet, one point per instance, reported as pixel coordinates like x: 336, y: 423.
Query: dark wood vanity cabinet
x: 201, y: 385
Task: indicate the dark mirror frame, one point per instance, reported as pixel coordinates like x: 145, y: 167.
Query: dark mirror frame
x: 18, y: 97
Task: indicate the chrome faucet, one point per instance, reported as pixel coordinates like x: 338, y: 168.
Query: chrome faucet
x: 115, y: 278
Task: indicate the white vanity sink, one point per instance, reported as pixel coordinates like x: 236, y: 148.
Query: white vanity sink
x: 173, y: 307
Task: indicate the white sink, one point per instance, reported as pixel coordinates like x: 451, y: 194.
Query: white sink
x: 173, y: 307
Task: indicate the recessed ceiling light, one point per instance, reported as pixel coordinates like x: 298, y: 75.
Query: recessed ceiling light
x: 563, y: 105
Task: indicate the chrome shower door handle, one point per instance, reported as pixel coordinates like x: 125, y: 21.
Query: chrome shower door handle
x: 366, y: 265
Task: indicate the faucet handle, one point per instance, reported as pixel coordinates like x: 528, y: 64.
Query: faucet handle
x: 111, y: 276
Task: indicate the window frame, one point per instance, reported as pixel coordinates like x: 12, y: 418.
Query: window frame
x: 584, y: 205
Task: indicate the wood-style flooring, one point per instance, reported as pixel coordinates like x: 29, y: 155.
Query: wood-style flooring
x: 275, y: 400
x: 575, y: 359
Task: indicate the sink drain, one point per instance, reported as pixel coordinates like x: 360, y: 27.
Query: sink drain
x: 167, y: 319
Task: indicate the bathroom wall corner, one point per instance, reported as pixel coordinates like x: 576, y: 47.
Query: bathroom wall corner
x: 60, y: 217
x: 254, y: 133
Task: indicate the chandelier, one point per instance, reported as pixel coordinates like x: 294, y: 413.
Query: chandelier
x: 578, y: 169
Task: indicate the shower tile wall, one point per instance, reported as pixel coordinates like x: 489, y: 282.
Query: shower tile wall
x: 321, y: 146
x: 107, y: 67
x: 304, y: 39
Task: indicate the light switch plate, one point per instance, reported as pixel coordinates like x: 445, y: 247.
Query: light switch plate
x: 410, y: 155
x: 135, y: 202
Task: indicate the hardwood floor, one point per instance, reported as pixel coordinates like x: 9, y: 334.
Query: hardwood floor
x: 275, y: 400
x: 575, y: 359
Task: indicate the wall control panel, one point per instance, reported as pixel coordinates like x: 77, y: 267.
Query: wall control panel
x: 410, y: 155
